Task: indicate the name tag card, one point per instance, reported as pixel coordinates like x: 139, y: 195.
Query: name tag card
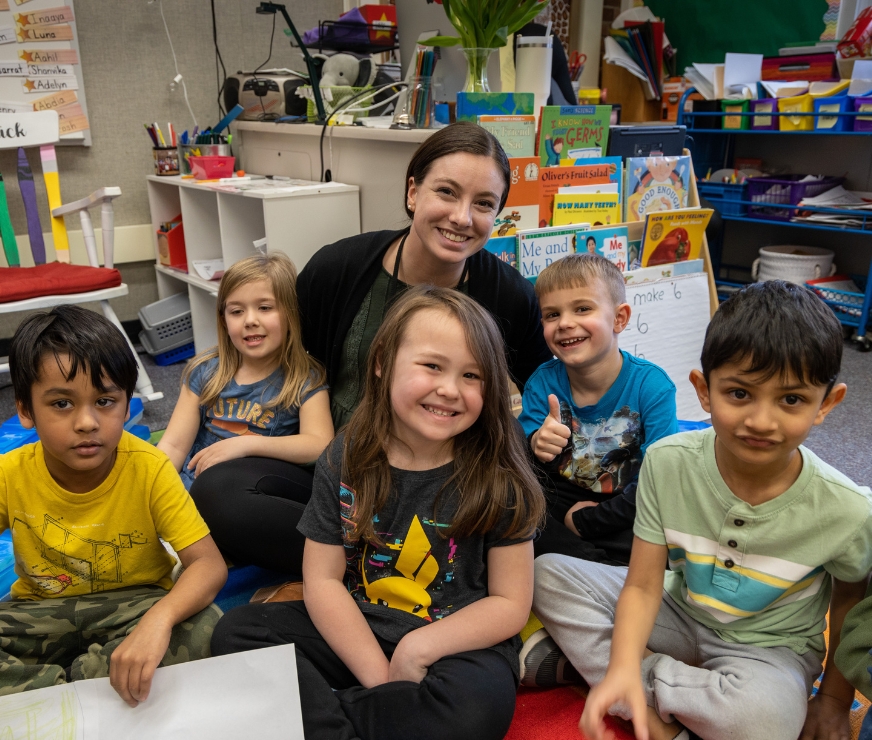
x: 28, y: 129
x: 46, y: 17
x: 45, y: 33
x: 49, y: 84
x: 55, y: 100
x: 48, y: 56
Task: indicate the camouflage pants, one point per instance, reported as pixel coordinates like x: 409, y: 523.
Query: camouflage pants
x: 52, y: 641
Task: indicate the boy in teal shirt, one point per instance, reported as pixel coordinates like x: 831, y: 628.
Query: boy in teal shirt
x: 759, y: 534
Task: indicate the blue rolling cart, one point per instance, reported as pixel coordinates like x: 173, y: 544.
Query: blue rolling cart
x: 715, y: 148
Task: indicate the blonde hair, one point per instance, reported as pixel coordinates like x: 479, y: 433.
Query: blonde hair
x: 296, y: 364
x: 492, y: 473
x: 579, y: 271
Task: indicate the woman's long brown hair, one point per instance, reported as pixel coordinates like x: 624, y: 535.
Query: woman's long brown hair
x: 492, y: 473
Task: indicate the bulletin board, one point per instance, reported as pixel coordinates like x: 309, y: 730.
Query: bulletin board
x: 704, y: 30
x: 40, y: 64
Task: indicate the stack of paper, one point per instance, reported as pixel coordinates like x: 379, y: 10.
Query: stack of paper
x: 838, y: 199
x: 742, y: 72
x: 784, y: 89
x: 708, y: 79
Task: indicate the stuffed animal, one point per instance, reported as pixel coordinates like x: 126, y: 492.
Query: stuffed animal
x: 346, y: 69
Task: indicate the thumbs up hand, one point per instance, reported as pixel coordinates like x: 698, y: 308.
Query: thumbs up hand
x: 552, y: 436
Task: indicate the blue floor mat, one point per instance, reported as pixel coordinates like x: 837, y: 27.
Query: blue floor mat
x: 243, y: 581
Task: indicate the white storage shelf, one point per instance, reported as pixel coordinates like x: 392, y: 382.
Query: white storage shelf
x: 224, y: 225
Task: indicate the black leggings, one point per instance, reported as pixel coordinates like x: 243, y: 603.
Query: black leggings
x: 468, y: 696
x: 252, y: 506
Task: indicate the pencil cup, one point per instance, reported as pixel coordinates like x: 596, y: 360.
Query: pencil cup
x: 200, y: 150
x: 166, y: 161
x: 533, y: 68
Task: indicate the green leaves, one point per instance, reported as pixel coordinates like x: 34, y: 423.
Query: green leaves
x: 485, y: 24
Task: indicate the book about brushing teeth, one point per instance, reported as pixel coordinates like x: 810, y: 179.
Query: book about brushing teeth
x: 516, y: 134
x: 656, y: 184
x: 593, y: 209
x: 674, y: 236
x: 610, y: 243
x: 522, y: 206
x: 573, y: 132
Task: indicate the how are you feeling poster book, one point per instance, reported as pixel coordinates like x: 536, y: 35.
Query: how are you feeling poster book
x: 597, y: 171
x: 521, y: 210
x: 516, y: 134
x: 674, y: 236
x: 656, y: 184
x: 573, y: 132
x: 538, y: 248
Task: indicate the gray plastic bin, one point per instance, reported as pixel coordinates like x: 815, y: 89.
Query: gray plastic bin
x: 166, y: 323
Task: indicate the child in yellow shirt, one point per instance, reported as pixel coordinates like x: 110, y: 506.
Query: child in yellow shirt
x: 88, y: 506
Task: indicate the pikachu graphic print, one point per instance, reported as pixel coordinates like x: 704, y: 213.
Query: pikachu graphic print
x: 404, y: 573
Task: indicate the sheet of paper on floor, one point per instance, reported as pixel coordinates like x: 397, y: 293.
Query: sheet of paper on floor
x: 253, y: 694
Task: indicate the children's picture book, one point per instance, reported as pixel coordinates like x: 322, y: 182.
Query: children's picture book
x: 597, y: 171
x: 522, y: 206
x: 595, y: 209
x: 674, y: 236
x: 656, y: 184
x: 472, y: 105
x: 573, y: 132
x: 517, y: 134
x: 538, y: 248
x: 505, y: 248
x: 610, y: 243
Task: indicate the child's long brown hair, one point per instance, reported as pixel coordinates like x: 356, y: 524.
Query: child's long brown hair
x: 492, y: 473
x: 297, y: 366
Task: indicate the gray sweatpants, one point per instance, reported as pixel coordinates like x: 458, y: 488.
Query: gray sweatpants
x: 719, y: 690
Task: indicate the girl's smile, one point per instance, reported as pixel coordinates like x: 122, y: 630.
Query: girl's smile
x: 436, y: 389
x: 255, y: 324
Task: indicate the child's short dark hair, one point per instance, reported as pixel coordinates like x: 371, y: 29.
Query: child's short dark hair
x: 94, y: 345
x: 578, y: 271
x: 777, y: 328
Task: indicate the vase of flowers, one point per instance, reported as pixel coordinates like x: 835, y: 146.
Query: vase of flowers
x: 483, y: 26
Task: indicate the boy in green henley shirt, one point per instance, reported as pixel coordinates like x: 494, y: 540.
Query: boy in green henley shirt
x: 761, y: 537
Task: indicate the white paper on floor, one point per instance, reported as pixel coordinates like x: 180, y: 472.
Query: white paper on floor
x: 253, y: 694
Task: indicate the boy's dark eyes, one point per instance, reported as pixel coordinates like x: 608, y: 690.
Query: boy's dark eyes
x: 792, y: 399
x: 738, y: 393
x: 62, y: 404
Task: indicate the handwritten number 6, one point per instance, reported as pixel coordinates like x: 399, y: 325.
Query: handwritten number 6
x: 675, y: 290
x: 641, y: 325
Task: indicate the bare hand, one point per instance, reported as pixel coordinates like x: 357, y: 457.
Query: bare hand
x: 827, y: 719
x: 567, y: 520
x: 617, y: 688
x: 227, y: 449
x: 553, y: 435
x: 134, y: 661
x: 406, y: 663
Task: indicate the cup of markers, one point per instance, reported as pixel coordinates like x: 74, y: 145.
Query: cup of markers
x: 166, y: 154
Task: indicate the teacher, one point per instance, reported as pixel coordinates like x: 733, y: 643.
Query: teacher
x: 456, y: 184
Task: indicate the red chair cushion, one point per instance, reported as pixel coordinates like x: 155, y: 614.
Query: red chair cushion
x: 55, y: 278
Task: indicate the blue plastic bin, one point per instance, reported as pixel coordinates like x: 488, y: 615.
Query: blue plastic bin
x: 833, y: 106
x: 726, y: 197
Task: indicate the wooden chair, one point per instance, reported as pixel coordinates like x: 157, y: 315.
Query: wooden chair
x: 50, y: 284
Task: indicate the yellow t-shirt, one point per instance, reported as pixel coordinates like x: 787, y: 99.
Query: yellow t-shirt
x: 69, y: 544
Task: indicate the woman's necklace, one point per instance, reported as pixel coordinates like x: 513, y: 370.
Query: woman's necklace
x: 395, y: 278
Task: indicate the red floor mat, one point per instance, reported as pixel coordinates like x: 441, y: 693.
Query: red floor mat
x: 553, y: 714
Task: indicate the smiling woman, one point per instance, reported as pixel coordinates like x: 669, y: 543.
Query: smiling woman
x: 456, y: 184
